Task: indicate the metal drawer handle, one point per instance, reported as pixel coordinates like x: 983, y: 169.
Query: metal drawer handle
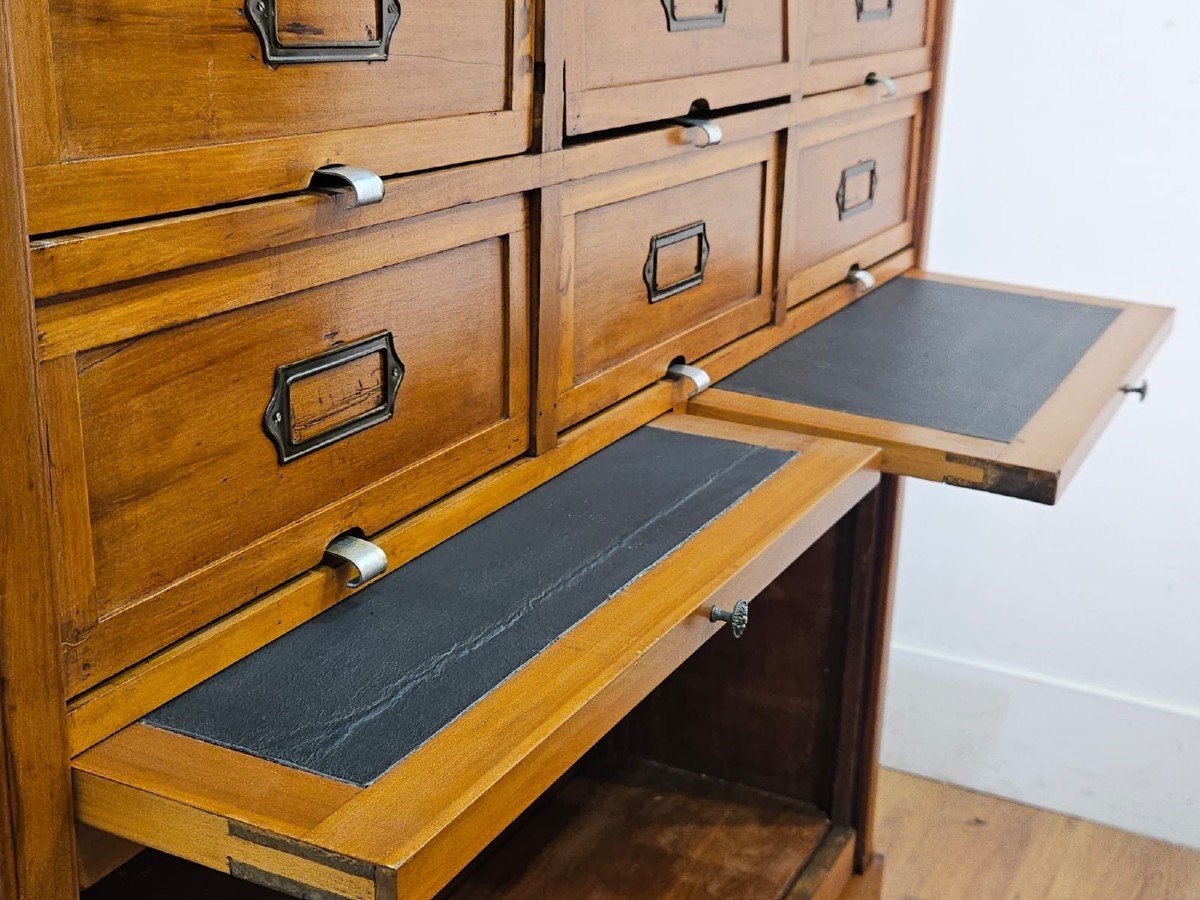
x: 875, y: 14
x: 700, y: 132
x: 264, y: 19
x: 867, y: 169
x: 862, y: 278
x: 1140, y: 389
x: 738, y: 619
x: 363, y: 185
x: 367, y: 559
x: 675, y: 22
x: 279, y: 419
x: 889, y: 84
x: 698, y: 376
x: 656, y: 292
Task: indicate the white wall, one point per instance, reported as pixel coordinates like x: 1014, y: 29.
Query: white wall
x: 1053, y: 655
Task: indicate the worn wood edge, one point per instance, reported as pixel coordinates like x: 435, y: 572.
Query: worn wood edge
x: 827, y: 873
x: 408, y: 810
x: 126, y: 697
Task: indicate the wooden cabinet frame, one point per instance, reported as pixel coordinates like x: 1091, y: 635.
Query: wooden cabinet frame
x: 65, y: 194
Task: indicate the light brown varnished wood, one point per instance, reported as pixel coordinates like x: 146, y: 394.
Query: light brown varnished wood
x: 824, y: 242
x: 178, y: 465
x: 614, y: 339
x: 647, y: 832
x: 946, y: 841
x: 1039, y: 463
x: 843, y: 51
x: 457, y: 86
x: 425, y: 822
x: 36, y: 832
x: 625, y: 66
x: 121, y: 700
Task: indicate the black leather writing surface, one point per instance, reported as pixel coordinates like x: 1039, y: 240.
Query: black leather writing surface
x: 355, y: 690
x: 961, y: 359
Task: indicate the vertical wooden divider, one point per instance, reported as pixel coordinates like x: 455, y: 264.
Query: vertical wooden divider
x: 36, y: 824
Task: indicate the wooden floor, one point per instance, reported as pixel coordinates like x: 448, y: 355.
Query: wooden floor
x: 945, y: 843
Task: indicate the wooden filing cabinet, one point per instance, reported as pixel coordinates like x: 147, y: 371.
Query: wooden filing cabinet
x: 410, y: 403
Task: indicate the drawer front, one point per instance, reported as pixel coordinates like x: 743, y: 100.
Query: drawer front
x: 845, y: 29
x: 226, y: 453
x: 855, y: 192
x: 638, y: 60
x: 274, y: 75
x: 666, y: 273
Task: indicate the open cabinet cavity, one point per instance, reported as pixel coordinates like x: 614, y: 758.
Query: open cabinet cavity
x: 331, y: 763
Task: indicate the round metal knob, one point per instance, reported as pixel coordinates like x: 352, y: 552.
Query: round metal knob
x: 889, y: 84
x: 738, y: 619
x: 1140, y: 389
x: 862, y: 278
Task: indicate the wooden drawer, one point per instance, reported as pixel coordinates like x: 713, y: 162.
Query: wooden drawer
x: 984, y: 386
x: 511, y: 649
x: 854, y: 193
x: 666, y: 261
x: 296, y: 395
x: 173, y: 105
x: 849, y: 40
x: 635, y: 61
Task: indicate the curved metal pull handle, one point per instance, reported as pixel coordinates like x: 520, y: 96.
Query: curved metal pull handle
x: 1140, y: 389
x: 675, y: 22
x: 367, y: 559
x: 889, y: 84
x: 363, y: 185
x: 863, y: 279
x: 698, y: 376
x: 738, y: 619
x: 700, y: 132
x: 263, y: 17
x: 867, y: 13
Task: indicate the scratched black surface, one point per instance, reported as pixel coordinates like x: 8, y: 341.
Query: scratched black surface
x: 961, y: 359
x: 355, y: 690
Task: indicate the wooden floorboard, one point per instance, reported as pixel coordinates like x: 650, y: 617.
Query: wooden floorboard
x: 943, y: 842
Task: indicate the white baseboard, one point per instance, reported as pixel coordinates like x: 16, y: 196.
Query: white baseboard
x: 1113, y: 759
